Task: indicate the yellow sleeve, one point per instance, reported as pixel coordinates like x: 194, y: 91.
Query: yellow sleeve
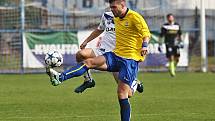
x: 141, y: 26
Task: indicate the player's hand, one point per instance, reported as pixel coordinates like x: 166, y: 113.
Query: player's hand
x: 144, y: 51
x: 83, y: 45
x: 181, y: 44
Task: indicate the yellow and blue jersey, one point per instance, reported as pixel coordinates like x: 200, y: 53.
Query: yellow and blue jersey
x: 130, y: 31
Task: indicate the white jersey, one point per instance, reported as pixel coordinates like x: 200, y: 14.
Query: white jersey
x: 108, y: 41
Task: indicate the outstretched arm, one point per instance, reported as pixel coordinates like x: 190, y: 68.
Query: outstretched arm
x: 179, y: 34
x: 180, y: 41
x: 92, y: 36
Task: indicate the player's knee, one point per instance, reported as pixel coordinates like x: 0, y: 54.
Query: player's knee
x: 80, y: 56
x: 89, y: 63
x: 130, y: 95
x: 122, y: 93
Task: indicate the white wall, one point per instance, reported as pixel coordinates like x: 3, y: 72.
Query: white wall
x: 179, y: 4
x: 145, y: 4
x: 191, y: 4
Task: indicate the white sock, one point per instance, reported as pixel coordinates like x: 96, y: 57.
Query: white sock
x: 134, y: 86
x: 88, y: 76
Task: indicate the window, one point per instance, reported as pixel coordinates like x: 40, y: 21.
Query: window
x: 87, y: 3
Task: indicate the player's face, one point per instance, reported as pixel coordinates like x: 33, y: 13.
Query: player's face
x: 170, y: 19
x: 116, y: 8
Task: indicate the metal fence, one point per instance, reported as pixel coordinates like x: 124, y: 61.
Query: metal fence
x: 19, y: 16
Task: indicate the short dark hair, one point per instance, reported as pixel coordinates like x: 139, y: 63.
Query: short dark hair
x: 111, y: 1
x: 168, y: 15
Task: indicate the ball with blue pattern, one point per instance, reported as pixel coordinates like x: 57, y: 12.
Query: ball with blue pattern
x: 53, y: 59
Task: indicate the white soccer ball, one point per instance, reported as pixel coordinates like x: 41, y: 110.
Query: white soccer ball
x: 53, y: 59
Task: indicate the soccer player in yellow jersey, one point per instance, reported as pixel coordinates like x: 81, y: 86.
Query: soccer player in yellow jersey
x: 132, y: 37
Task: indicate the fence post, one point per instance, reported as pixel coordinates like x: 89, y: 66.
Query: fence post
x: 203, y: 39
x: 22, y: 6
x: 65, y: 14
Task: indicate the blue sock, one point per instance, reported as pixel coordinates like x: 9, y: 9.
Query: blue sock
x: 125, y: 109
x: 75, y: 71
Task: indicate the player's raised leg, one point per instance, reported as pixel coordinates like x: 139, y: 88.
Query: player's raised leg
x: 88, y: 80
x: 78, y: 70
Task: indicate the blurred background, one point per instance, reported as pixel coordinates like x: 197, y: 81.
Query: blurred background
x: 26, y: 22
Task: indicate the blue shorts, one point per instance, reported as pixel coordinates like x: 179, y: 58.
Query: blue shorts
x: 127, y: 68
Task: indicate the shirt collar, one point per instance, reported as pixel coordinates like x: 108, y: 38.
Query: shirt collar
x: 124, y: 14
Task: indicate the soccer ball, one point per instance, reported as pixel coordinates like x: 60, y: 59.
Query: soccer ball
x: 53, y: 59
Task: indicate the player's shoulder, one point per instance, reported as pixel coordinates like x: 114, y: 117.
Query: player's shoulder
x: 135, y: 16
x: 108, y: 15
x: 165, y: 24
x: 133, y: 13
x: 176, y: 23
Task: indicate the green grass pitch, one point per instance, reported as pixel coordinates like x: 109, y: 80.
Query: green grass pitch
x: 30, y: 97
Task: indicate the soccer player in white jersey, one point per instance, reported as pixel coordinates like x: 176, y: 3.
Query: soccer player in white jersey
x: 106, y: 44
